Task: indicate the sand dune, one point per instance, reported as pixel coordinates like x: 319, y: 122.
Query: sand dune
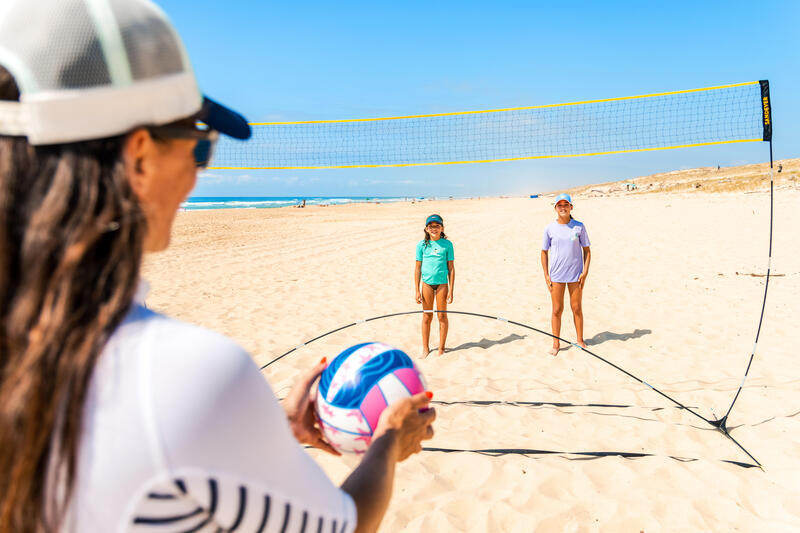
x: 745, y: 178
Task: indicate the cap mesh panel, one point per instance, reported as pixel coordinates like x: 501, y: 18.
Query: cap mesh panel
x: 125, y: 51
x: 150, y: 43
x: 68, y: 58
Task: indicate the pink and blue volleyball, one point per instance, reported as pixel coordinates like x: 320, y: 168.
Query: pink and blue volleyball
x: 357, y: 386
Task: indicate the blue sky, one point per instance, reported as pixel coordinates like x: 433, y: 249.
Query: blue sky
x: 337, y: 60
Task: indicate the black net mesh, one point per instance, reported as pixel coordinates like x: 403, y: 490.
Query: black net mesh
x: 685, y: 118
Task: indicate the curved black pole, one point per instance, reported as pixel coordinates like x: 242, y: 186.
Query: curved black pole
x: 715, y: 423
x: 721, y: 422
x: 520, y: 324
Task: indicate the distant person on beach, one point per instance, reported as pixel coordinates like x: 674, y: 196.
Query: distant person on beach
x: 434, y: 279
x: 565, y: 262
x: 114, y: 417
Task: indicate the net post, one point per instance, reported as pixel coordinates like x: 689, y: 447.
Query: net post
x: 766, y: 114
x: 766, y: 118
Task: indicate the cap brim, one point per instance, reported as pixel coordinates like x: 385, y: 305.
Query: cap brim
x: 224, y: 120
x: 564, y: 197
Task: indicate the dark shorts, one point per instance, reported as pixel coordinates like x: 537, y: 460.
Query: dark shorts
x: 434, y: 287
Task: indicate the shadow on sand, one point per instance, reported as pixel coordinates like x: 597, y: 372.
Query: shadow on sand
x: 609, y: 336
x: 597, y: 339
x: 486, y: 343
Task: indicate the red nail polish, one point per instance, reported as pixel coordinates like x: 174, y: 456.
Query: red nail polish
x: 429, y: 394
x: 323, y: 360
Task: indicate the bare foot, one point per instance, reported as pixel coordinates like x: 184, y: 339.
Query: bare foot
x: 424, y: 353
x: 441, y: 351
x: 582, y: 344
x: 553, y: 351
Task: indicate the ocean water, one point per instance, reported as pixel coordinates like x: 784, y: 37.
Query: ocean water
x: 195, y: 203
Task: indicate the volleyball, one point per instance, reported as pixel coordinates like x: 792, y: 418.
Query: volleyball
x: 357, y: 386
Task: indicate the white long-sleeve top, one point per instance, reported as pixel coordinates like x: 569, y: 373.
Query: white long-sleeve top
x: 182, y: 433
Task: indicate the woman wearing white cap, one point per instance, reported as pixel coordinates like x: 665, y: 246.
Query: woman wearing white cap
x: 565, y: 262
x: 113, y: 417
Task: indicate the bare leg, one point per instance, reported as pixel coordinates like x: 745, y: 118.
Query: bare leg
x: 427, y: 318
x: 575, y: 297
x: 557, y: 297
x: 441, y: 305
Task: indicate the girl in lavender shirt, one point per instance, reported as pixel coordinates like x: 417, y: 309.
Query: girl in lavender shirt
x: 565, y: 261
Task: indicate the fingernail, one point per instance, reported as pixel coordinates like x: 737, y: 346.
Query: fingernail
x: 323, y: 360
x: 429, y: 394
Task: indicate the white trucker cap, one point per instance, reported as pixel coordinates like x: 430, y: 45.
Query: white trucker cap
x: 89, y: 69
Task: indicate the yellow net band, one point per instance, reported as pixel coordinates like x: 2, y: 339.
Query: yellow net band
x: 455, y: 113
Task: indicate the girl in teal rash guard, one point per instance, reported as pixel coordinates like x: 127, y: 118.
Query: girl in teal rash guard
x: 435, y: 269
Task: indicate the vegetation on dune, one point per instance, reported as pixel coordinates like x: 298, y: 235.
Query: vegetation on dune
x: 745, y: 178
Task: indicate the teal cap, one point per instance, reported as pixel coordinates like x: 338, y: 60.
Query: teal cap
x: 434, y: 218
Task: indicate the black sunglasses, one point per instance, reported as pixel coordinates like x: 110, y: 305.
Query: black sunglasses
x: 206, y: 140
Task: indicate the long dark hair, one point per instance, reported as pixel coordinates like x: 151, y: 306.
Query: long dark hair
x: 71, y: 238
x: 428, y: 236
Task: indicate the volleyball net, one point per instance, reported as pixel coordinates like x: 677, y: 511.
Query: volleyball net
x: 735, y: 113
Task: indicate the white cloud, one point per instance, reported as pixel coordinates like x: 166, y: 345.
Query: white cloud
x: 210, y: 178
x: 392, y: 182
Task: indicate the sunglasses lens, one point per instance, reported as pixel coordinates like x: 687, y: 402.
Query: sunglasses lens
x: 203, y: 152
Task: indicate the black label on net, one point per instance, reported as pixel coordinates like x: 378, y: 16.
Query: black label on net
x: 766, y: 110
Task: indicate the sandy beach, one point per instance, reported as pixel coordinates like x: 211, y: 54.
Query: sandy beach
x: 673, y: 296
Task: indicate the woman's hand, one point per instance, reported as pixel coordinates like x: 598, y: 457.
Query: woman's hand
x: 450, y: 296
x: 582, y: 279
x: 299, y: 407
x: 401, y: 429
x: 409, y: 426
x: 419, y: 297
x: 548, y: 283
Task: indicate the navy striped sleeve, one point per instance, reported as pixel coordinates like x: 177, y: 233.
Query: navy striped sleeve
x: 224, y: 507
